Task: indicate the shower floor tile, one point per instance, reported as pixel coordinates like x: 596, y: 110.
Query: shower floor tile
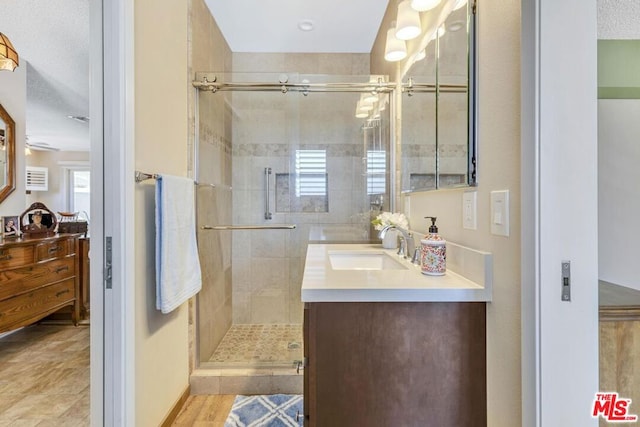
x: 260, y: 344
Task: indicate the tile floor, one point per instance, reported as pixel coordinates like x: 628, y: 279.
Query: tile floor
x: 44, y: 376
x: 259, y: 345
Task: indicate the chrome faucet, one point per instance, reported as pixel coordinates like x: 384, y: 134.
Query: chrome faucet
x: 407, y: 244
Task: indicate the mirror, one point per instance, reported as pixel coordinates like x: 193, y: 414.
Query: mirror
x: 438, y: 114
x: 7, y: 154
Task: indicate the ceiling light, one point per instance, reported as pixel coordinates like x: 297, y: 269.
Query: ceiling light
x: 421, y: 55
x: 408, y: 26
x: 424, y: 5
x: 395, y: 49
x: 306, y: 25
x: 459, y: 4
x: 8, y: 55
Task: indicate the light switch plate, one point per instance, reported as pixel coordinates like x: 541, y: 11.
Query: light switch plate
x: 500, y: 213
x: 469, y: 210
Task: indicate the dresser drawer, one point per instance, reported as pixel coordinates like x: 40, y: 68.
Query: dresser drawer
x: 24, y: 279
x: 31, y: 306
x: 55, y: 249
x: 16, y: 256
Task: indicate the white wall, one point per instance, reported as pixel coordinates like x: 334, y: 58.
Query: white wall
x: 498, y: 169
x: 13, y: 97
x: 618, y: 178
x: 161, y: 133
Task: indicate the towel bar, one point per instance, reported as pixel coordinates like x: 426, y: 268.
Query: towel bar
x: 249, y: 227
x: 143, y: 176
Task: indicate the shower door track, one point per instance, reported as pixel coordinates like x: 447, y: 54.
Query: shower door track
x: 208, y: 82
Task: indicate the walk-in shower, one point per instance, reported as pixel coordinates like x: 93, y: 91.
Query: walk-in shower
x: 281, y: 150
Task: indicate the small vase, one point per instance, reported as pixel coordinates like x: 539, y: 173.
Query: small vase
x: 390, y: 240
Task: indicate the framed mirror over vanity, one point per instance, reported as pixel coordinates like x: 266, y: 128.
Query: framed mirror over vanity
x: 7, y: 154
x: 438, y: 115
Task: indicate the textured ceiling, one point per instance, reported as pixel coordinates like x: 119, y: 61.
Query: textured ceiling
x: 619, y: 19
x: 52, y: 38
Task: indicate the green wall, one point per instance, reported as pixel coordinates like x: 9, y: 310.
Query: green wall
x: 618, y: 69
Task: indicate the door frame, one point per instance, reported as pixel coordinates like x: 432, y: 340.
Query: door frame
x: 112, y: 148
x: 559, y: 211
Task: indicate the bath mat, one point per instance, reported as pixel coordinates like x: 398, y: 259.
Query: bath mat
x: 272, y: 410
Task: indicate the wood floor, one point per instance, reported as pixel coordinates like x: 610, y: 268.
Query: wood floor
x: 44, y: 376
x: 205, y: 410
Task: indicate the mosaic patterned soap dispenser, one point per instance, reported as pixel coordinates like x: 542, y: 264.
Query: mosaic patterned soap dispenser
x: 433, y: 248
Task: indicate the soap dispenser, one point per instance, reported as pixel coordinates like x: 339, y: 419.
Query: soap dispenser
x: 433, y: 260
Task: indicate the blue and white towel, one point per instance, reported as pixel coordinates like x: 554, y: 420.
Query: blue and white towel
x: 178, y: 275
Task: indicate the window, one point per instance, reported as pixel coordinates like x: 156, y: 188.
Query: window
x: 376, y: 171
x: 311, y: 173
x: 79, y: 190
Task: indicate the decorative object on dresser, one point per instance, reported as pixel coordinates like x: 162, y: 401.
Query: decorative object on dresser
x: 38, y: 220
x: 38, y: 276
x: 70, y: 223
x: 10, y: 226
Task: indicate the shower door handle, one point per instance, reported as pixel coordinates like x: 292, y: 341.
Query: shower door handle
x: 267, y: 180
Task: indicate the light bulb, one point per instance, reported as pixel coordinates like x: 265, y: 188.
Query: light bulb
x: 408, y: 25
x: 395, y: 49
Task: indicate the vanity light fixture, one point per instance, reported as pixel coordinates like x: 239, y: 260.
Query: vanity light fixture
x: 424, y: 5
x: 360, y: 112
x: 8, y: 56
x: 441, y: 31
x: 408, y: 21
x: 364, y: 104
x: 459, y: 4
x: 395, y: 49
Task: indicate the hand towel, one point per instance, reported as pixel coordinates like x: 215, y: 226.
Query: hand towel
x: 178, y: 275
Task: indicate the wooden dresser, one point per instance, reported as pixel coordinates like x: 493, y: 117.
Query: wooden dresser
x: 620, y: 343
x: 38, y: 276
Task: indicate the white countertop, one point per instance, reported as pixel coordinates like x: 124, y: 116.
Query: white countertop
x: 321, y: 283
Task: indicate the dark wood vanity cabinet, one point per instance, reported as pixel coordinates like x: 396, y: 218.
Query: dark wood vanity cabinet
x: 395, y: 364
x: 38, y: 276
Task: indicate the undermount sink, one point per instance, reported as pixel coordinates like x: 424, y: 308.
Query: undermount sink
x: 364, y: 260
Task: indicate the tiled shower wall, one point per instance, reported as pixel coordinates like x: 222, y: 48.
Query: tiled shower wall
x: 267, y: 129
x: 209, y: 51
x: 268, y: 265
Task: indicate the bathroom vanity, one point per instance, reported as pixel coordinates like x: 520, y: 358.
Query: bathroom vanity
x: 385, y: 345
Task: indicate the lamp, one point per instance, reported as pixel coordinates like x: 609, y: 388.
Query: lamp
x: 8, y: 55
x: 424, y: 5
x: 408, y: 26
x: 395, y: 49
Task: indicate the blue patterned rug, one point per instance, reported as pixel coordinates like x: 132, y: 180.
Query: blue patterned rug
x: 266, y: 410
